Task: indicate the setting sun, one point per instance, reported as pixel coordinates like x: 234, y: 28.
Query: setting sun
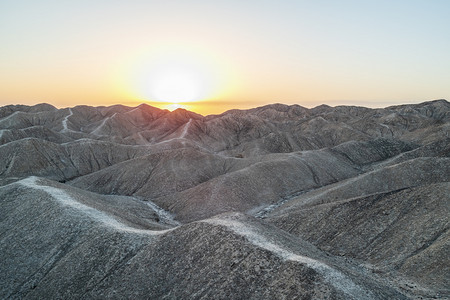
x: 175, y: 74
x: 175, y: 84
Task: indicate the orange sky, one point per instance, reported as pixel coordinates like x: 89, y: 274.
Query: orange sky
x: 224, y: 55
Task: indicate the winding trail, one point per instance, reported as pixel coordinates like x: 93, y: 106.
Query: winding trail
x: 185, y: 129
x: 68, y: 201
x: 181, y: 136
x: 163, y: 215
x: 334, y: 277
x: 95, y: 131
x: 66, y: 118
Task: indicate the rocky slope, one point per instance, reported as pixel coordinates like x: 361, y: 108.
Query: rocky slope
x: 273, y: 202
x: 86, y: 252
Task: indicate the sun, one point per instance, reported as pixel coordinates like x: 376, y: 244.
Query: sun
x: 177, y: 84
x: 172, y: 74
x: 175, y: 76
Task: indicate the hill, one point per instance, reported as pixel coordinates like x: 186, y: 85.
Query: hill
x: 273, y: 202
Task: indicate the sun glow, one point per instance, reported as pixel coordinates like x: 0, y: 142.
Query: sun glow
x: 176, y: 84
x: 175, y: 74
x: 174, y: 106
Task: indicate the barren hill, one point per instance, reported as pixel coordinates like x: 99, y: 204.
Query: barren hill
x: 275, y: 202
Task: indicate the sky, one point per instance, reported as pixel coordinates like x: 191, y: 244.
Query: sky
x: 210, y: 56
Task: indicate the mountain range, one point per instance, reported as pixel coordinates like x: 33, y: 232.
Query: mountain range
x: 275, y: 202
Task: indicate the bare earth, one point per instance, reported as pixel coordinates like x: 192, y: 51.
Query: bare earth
x: 275, y: 202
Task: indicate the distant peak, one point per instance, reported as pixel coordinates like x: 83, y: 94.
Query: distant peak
x: 183, y: 113
x: 323, y: 106
x: 44, y: 107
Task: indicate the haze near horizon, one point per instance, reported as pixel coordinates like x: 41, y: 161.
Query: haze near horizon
x: 213, y: 56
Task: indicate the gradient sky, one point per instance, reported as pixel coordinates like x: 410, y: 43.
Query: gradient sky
x: 248, y: 53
